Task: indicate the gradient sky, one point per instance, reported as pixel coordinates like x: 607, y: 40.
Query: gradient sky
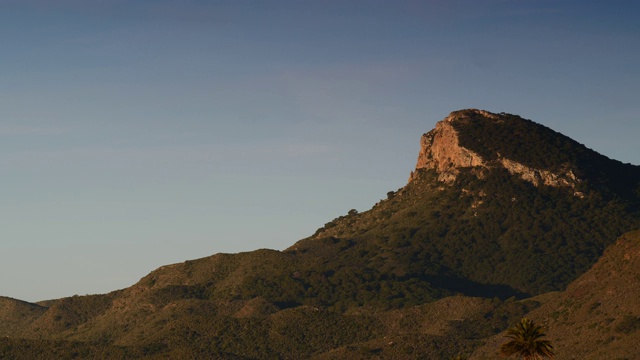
x: 135, y: 134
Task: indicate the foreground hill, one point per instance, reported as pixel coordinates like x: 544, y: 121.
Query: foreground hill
x: 598, y: 316
x: 498, y: 208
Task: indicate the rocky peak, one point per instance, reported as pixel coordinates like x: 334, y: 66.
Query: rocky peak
x: 441, y: 150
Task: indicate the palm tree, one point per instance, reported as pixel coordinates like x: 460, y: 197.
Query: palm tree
x: 527, y: 342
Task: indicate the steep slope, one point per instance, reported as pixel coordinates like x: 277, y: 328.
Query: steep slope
x: 598, y: 316
x: 496, y: 205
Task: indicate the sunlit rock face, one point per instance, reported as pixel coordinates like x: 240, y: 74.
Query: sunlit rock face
x: 440, y: 150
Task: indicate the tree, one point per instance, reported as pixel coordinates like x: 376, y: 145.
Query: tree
x: 526, y: 341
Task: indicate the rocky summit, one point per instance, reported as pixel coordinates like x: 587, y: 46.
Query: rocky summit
x: 441, y: 150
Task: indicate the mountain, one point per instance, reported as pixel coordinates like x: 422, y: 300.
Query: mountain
x: 497, y: 205
x: 498, y: 208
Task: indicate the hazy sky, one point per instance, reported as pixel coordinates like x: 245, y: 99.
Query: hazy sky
x: 134, y: 134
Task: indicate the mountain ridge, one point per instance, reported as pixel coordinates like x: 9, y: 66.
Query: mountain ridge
x: 482, y: 195
x: 480, y: 224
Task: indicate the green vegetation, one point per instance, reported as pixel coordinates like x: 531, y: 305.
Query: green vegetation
x: 384, y: 283
x: 206, y: 329
x: 629, y: 324
x: 496, y: 236
x: 521, y: 140
x: 526, y: 339
x: 539, y: 147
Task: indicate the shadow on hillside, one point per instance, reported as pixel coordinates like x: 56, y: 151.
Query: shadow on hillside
x: 471, y: 288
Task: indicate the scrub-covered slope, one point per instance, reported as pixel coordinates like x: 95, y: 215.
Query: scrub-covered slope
x: 598, y: 316
x: 497, y: 207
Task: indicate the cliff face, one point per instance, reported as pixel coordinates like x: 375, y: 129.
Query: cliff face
x: 440, y: 150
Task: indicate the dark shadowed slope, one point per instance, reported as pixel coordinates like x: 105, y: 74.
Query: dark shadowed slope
x: 598, y: 316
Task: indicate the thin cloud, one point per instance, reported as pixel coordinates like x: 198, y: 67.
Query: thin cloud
x: 184, y: 12
x: 15, y: 130
x: 177, y: 155
x: 298, y: 150
x: 465, y: 9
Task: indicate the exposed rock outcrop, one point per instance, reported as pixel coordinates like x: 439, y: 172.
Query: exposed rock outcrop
x: 440, y: 150
x: 540, y: 177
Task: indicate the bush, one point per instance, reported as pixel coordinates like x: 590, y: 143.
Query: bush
x: 628, y: 324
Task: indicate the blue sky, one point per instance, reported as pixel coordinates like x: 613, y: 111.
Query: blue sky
x: 134, y: 134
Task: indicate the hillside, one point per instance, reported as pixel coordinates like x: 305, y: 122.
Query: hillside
x: 598, y: 316
x: 495, y: 221
x: 498, y: 208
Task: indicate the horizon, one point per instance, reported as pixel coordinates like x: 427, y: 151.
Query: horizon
x: 141, y: 134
